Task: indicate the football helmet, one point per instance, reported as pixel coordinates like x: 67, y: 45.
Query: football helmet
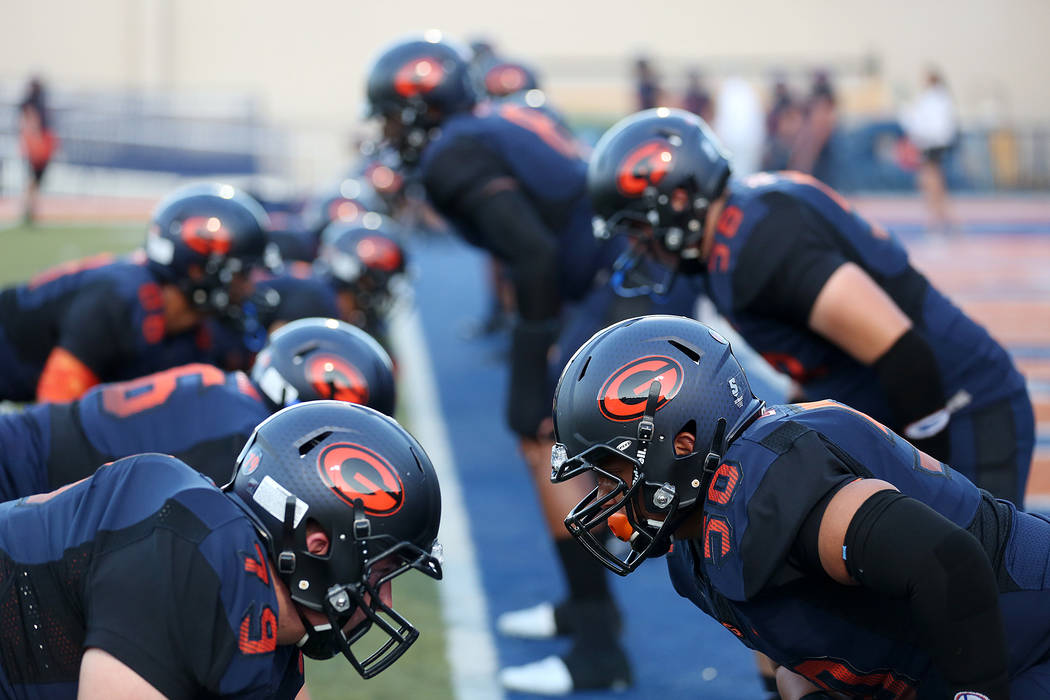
x: 365, y: 257
x: 415, y: 84
x: 349, y: 200
x: 201, y: 237
x: 627, y: 393
x: 359, y: 477
x: 506, y: 78
x: 653, y: 176
x: 322, y: 358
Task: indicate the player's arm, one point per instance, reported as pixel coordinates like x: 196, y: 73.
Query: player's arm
x: 792, y: 273
x: 858, y: 316
x: 872, y: 535
x: 104, y: 677
x: 472, y: 183
x: 64, y: 378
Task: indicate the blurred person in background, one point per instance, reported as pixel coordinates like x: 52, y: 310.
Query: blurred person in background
x: 697, y: 98
x: 108, y: 318
x: 930, y: 123
x: 196, y: 413
x: 646, y: 84
x: 37, y: 140
x: 740, y: 124
x: 783, y: 125
x: 812, y: 152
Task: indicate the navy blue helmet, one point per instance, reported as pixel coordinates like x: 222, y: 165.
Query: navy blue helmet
x: 201, y: 236
x: 357, y: 476
x: 322, y: 358
x: 626, y: 394
x: 653, y: 176
x: 413, y: 85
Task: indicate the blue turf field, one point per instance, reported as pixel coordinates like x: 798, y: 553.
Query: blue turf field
x: 677, y: 651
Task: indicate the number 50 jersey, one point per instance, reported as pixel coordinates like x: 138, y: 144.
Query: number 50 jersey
x: 195, y: 412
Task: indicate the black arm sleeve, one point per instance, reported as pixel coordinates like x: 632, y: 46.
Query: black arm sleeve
x: 910, y: 377
x: 469, y: 183
x: 900, y: 547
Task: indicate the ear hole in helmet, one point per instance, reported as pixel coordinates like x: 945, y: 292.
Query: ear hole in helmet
x: 313, y: 542
x: 689, y: 427
x: 687, y: 351
x: 309, y: 444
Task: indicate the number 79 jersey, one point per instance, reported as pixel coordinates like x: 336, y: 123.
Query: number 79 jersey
x: 195, y: 412
x: 150, y: 562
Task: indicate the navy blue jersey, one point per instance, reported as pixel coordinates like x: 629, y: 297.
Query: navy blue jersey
x: 743, y: 570
x: 195, y: 412
x: 776, y: 243
x: 525, y: 143
x: 107, y: 312
x: 148, y: 561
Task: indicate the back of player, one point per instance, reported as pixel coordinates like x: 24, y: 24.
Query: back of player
x: 508, y: 138
x: 196, y: 412
x: 148, y: 561
x: 779, y: 239
x: 756, y: 583
x: 102, y: 310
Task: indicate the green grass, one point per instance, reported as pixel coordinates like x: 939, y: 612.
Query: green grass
x: 423, y: 670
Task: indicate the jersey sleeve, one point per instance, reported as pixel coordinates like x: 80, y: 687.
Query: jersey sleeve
x: 748, y: 539
x: 96, y: 330
x: 193, y: 618
x: 784, y: 264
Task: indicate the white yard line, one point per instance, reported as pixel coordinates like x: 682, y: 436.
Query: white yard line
x: 470, y: 647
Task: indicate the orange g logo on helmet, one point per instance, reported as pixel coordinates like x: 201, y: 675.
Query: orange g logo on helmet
x: 356, y: 473
x: 206, y: 235
x: 623, y: 395
x: 644, y: 166
x: 335, y: 378
x: 379, y: 253
x: 418, y: 77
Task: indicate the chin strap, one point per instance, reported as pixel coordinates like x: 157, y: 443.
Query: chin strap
x: 714, y: 454
x: 647, y: 426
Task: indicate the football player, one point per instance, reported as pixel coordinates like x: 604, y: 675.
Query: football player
x: 823, y: 294
x: 511, y: 181
x: 147, y: 581
x: 195, y: 412
x: 812, y: 532
x: 364, y: 262
x: 107, y: 318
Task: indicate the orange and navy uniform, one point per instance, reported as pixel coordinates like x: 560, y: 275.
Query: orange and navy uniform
x: 78, y: 324
x: 747, y: 571
x: 150, y: 562
x: 195, y: 412
x: 776, y: 243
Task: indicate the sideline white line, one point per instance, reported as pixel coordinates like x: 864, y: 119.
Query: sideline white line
x: 470, y: 648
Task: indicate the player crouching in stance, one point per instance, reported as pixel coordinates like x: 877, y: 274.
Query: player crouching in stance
x: 147, y: 580
x: 816, y: 535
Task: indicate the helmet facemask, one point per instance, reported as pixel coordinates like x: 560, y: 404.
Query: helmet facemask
x: 382, y: 560
x: 664, y: 231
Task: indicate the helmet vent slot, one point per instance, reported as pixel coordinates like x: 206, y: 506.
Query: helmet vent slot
x: 313, y: 442
x: 584, y: 370
x: 686, y: 350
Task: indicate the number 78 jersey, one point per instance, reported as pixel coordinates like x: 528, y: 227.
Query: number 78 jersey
x: 195, y: 412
